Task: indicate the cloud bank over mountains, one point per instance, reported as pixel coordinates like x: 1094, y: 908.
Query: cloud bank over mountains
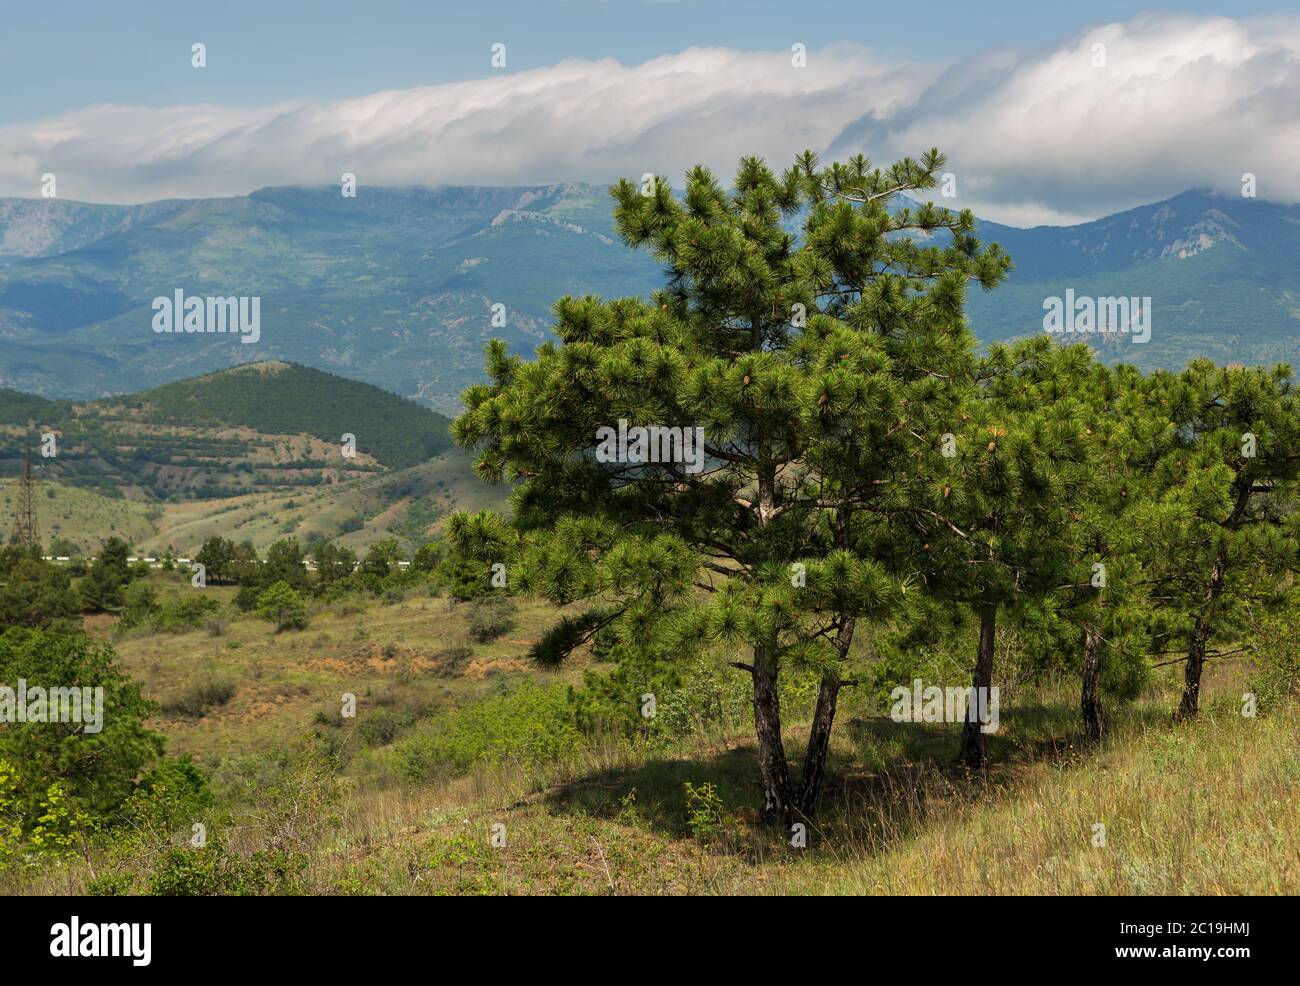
x: 1043, y: 135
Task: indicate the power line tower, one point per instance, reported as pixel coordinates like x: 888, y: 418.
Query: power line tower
x: 25, y: 532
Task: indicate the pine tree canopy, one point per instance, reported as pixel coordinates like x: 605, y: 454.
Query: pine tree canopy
x: 858, y: 458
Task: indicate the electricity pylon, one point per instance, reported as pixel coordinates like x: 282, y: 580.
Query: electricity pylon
x: 25, y: 532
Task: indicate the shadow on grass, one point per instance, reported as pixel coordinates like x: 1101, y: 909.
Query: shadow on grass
x: 885, y: 781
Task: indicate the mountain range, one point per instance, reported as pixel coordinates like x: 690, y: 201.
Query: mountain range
x: 398, y: 287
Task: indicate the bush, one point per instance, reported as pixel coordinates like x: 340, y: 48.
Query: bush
x: 198, y: 698
x: 1276, y: 644
x: 246, y: 597
x: 140, y: 605
x: 281, y: 605
x: 97, y: 769
x: 491, y: 619
x: 110, y: 885
x: 187, y: 611
x: 215, y: 871
x: 379, y: 728
x: 49, y: 828
x: 532, y: 725
x: 33, y: 593
x: 463, y: 579
x: 705, y: 812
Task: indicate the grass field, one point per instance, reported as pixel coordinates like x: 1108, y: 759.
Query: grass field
x: 84, y: 517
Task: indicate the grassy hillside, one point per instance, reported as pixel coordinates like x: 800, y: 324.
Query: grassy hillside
x: 1211, y: 807
x: 410, y: 504
x: 83, y: 516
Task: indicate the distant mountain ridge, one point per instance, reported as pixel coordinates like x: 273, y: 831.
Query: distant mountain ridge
x: 397, y: 286
x: 60, y: 226
x: 1223, y: 274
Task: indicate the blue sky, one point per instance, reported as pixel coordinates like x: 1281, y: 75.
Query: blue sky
x: 1039, y: 127
x: 57, y: 55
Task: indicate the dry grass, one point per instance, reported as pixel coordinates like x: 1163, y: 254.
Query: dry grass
x: 400, y: 654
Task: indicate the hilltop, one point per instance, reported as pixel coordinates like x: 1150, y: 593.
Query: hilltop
x: 253, y: 453
x: 267, y: 424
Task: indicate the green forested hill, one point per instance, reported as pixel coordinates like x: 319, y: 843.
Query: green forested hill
x: 17, y: 408
x: 253, y: 428
x: 287, y: 399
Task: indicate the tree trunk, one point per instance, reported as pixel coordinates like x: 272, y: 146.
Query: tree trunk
x: 1201, y: 631
x: 1190, y: 704
x: 772, y: 767
x: 972, y: 737
x: 819, y: 738
x: 1090, y: 695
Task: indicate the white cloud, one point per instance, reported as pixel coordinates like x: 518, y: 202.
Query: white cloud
x: 1032, y: 136
x: 572, y: 121
x: 1181, y: 102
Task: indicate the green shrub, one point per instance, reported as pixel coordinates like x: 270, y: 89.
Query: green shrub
x: 98, y: 770
x: 378, y: 728
x: 280, y: 604
x: 532, y: 725
x: 1276, y: 645
x: 111, y: 885
x: 196, y: 700
x: 705, y: 814
x: 33, y: 593
x: 140, y: 605
x: 490, y: 619
x: 185, y: 612
x: 215, y: 871
x: 246, y: 597
x: 462, y: 578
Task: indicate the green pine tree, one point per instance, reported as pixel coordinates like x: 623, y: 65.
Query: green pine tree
x: 1106, y: 607
x: 819, y: 344
x: 985, y: 527
x: 1230, y: 474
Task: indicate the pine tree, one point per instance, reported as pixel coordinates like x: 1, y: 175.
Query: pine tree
x: 218, y: 558
x: 985, y: 528
x: 819, y: 346
x: 1106, y: 606
x: 101, y: 589
x: 1230, y: 476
